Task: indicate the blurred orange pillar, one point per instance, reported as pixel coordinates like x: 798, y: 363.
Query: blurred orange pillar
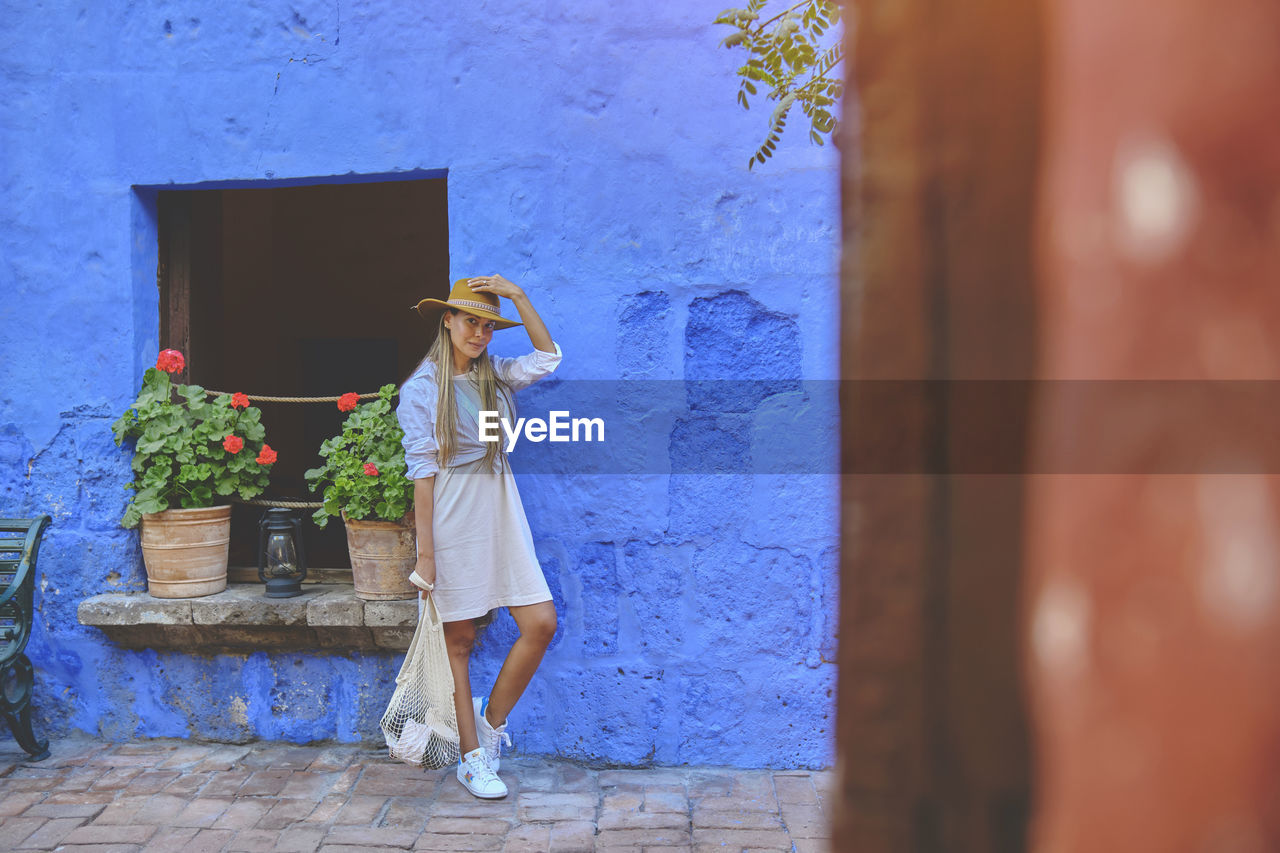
x: 1152, y: 599
x: 940, y: 166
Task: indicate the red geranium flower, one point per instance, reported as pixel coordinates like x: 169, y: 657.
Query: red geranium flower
x: 170, y: 361
x: 348, y: 401
x: 239, y: 401
x: 371, y: 469
x: 267, y: 456
x: 233, y: 444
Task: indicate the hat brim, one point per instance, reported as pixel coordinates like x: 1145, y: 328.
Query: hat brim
x: 432, y: 307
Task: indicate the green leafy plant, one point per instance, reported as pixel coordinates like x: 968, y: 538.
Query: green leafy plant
x: 188, y: 450
x: 364, y: 472
x: 794, y: 55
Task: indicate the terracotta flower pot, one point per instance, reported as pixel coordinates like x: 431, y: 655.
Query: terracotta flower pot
x: 383, y: 554
x: 185, y: 551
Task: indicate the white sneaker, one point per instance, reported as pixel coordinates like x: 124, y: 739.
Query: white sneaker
x: 491, y: 739
x: 478, y: 777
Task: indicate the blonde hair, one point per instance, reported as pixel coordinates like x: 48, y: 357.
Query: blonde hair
x: 481, y: 373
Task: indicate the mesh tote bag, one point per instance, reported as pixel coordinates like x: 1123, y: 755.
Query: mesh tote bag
x: 420, y: 724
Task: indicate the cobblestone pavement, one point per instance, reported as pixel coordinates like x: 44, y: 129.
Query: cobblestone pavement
x: 159, y: 795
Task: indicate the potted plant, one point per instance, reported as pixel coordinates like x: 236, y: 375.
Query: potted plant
x: 365, y: 481
x: 190, y: 456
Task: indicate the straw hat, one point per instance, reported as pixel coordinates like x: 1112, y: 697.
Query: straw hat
x: 464, y: 298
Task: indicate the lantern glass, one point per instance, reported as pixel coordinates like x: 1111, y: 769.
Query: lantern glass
x: 282, y: 557
x: 282, y: 562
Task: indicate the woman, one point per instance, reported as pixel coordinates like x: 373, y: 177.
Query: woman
x: 475, y: 551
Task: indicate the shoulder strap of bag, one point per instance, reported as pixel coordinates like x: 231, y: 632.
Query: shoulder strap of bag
x: 428, y: 621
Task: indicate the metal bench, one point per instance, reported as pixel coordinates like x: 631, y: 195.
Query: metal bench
x: 19, y: 546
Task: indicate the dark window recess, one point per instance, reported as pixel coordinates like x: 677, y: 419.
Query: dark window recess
x: 300, y: 291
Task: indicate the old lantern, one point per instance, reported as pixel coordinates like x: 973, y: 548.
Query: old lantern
x: 282, y: 561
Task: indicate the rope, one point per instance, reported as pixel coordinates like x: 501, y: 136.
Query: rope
x: 261, y: 399
x: 285, y: 504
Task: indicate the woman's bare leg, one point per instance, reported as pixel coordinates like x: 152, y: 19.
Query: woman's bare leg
x: 460, y: 638
x: 537, y: 624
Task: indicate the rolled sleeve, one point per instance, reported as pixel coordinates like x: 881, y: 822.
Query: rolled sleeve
x: 417, y: 416
x: 523, y: 371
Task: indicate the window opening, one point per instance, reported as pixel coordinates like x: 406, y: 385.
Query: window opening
x: 300, y: 291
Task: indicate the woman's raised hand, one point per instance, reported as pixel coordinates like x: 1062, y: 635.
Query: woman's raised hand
x: 499, y: 286
x: 496, y: 285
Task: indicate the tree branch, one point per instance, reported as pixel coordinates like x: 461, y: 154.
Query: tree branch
x: 782, y: 13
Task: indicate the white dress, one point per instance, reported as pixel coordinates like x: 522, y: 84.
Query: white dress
x: 483, y: 547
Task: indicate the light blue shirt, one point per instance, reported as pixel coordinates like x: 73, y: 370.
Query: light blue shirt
x: 417, y: 409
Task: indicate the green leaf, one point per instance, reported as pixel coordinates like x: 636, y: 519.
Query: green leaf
x: 155, y: 476
x: 153, y: 505
x: 125, y: 423
x: 150, y: 445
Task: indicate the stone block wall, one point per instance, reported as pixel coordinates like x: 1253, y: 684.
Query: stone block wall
x: 593, y: 154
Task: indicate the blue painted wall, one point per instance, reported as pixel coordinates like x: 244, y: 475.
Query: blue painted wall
x: 595, y: 154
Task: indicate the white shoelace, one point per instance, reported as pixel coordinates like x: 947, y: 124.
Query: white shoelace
x: 493, y: 737
x: 481, y: 770
x: 498, y: 735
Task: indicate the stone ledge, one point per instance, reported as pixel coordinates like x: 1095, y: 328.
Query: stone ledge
x: 325, y: 616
